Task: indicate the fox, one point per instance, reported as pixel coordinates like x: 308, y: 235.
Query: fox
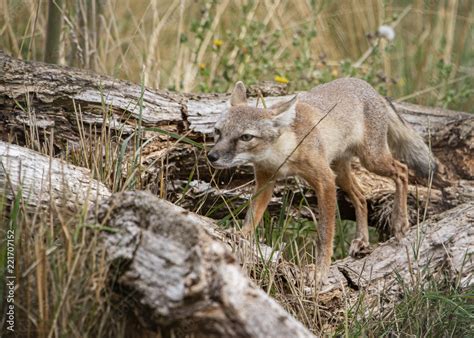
x: 315, y: 135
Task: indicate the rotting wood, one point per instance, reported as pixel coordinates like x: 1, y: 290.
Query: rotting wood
x: 443, y: 244
x: 50, y: 89
x: 46, y: 97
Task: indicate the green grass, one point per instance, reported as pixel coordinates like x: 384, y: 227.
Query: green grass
x: 436, y: 307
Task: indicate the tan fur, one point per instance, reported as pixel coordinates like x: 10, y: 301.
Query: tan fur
x: 281, y: 141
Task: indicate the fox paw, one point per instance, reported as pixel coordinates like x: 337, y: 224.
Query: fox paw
x: 400, y: 229
x: 359, y: 248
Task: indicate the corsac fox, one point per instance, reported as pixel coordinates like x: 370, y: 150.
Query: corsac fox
x: 315, y: 135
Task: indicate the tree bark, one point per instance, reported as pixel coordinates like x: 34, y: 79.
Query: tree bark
x: 59, y: 96
x: 44, y: 181
x: 165, y: 256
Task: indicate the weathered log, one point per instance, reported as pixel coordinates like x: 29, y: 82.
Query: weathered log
x: 37, y: 99
x: 441, y: 248
x: 444, y: 242
x: 43, y: 180
x: 180, y: 276
x: 174, y: 266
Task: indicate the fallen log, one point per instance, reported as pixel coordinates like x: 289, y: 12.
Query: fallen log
x: 443, y: 244
x: 49, y: 97
x: 71, y: 106
x: 182, y: 275
x: 44, y: 181
x: 50, y: 91
x: 181, y: 266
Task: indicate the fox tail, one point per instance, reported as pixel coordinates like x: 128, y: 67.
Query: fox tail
x: 407, y: 145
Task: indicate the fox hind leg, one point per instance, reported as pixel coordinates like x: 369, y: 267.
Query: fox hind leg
x: 385, y: 165
x: 347, y: 182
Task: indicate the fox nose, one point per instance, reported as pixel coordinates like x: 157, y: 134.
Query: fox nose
x: 212, y: 157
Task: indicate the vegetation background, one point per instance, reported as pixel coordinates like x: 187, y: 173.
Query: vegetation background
x: 205, y: 46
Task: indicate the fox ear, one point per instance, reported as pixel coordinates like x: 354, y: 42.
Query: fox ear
x: 284, y: 113
x: 239, y: 94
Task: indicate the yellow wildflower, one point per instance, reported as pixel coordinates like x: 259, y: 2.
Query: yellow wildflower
x: 217, y: 42
x: 202, y: 66
x: 335, y: 72
x: 281, y: 79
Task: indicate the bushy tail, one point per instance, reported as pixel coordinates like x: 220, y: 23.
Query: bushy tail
x: 407, y: 145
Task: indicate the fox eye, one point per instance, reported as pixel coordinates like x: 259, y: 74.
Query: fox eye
x: 246, y: 137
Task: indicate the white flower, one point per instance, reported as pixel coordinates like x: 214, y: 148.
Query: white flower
x: 386, y: 32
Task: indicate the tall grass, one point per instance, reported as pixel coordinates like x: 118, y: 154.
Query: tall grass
x: 207, y: 45
x: 436, y: 307
x: 60, y: 274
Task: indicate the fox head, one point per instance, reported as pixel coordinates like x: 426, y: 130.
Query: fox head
x: 244, y: 134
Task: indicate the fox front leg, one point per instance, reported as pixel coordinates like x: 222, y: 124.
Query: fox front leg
x: 325, y: 187
x: 259, y: 202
